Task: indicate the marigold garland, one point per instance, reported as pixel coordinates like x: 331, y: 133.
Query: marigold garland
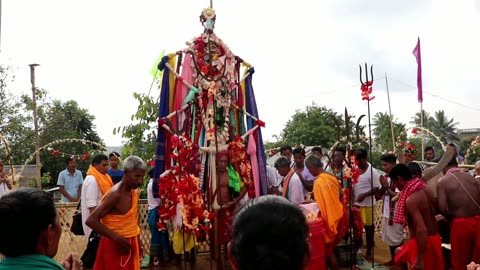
x: 239, y: 160
x: 179, y: 187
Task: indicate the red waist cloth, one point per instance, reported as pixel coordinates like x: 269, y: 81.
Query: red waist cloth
x: 225, y: 221
x: 108, y: 256
x: 465, y: 241
x: 316, y: 239
x: 432, y: 256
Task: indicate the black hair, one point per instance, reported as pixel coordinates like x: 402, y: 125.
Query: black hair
x: 360, y: 153
x: 113, y: 154
x: 98, y: 158
x: 270, y: 232
x: 318, y: 149
x: 150, y: 173
x: 390, y: 158
x: 453, y: 162
x: 68, y: 159
x: 282, y: 162
x: 298, y: 150
x: 415, y: 168
x: 429, y: 148
x: 25, y: 213
x: 400, y: 170
x: 341, y: 149
x: 285, y: 148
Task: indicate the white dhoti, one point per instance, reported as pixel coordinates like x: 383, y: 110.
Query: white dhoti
x: 392, y: 235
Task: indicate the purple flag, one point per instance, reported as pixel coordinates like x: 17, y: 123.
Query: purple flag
x: 416, y: 52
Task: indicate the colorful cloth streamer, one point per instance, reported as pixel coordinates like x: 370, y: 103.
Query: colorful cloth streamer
x: 251, y: 107
x: 163, y: 110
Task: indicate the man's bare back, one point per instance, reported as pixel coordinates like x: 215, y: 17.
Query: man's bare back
x: 454, y: 198
x: 420, y: 208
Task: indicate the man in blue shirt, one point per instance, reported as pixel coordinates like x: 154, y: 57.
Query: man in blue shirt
x: 115, y: 173
x: 70, y: 181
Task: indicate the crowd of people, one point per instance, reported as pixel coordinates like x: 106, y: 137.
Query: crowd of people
x: 276, y: 224
x: 443, y: 210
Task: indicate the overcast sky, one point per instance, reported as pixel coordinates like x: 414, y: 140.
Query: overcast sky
x: 99, y: 52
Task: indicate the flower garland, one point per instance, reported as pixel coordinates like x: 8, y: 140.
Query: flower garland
x: 214, y: 74
x: 367, y: 91
x: 239, y: 160
x: 178, y: 187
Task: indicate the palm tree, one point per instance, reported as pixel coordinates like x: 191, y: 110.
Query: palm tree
x: 382, y: 130
x: 381, y: 121
x: 427, y: 120
x: 445, y: 128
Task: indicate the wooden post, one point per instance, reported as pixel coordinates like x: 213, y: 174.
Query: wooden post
x: 423, y: 133
x: 35, y: 123
x: 390, y: 113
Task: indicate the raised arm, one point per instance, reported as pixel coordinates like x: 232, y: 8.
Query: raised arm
x: 93, y: 221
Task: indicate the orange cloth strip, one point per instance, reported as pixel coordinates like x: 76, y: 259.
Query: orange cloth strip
x: 326, y: 191
x: 104, y: 181
x: 124, y: 225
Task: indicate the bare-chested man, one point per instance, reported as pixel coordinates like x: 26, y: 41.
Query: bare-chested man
x: 230, y: 192
x: 116, y: 219
x: 416, y: 208
x: 459, y: 201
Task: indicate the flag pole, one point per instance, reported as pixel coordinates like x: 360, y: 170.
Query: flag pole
x: 390, y: 112
x: 423, y: 133
x: 417, y: 53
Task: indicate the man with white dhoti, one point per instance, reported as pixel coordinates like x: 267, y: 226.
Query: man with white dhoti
x: 392, y: 233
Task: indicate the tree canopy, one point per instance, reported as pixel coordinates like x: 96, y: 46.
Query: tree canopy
x: 316, y: 126
x: 57, y: 120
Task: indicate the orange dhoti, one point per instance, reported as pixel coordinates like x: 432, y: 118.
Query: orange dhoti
x: 465, y: 241
x: 432, y: 257
x: 126, y: 226
x: 108, y: 256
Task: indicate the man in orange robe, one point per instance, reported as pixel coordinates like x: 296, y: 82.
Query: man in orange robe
x: 116, y: 219
x: 327, y: 193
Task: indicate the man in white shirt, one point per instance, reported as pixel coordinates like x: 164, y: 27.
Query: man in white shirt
x: 292, y: 186
x: 392, y: 233
x: 94, y: 187
x: 274, y: 181
x: 364, y: 191
x: 306, y: 177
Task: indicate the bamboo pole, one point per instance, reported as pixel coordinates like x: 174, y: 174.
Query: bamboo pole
x: 35, y: 123
x: 390, y: 113
x: 423, y: 133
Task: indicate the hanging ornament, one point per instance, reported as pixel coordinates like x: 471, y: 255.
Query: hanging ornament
x: 85, y: 156
x: 55, y: 153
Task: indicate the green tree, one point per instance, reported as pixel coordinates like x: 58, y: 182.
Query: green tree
x: 472, y: 150
x: 315, y: 126
x: 66, y: 120
x: 445, y: 128
x: 382, y: 130
x: 15, y: 124
x: 427, y: 120
x: 141, y: 134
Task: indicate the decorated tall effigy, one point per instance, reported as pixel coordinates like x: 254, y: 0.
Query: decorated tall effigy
x: 207, y: 106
